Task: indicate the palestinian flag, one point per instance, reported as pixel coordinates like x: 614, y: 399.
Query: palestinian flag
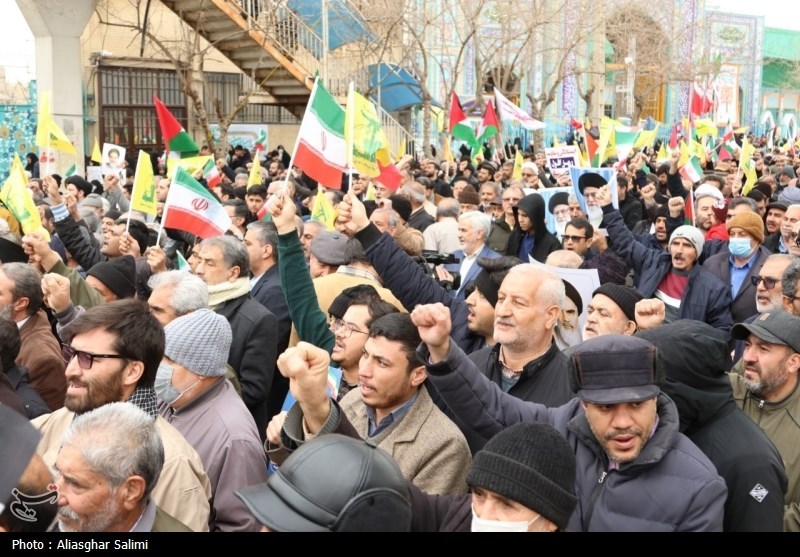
x: 211, y: 174
x: 490, y: 127
x: 460, y: 126
x: 321, y: 149
x: 192, y: 208
x: 172, y: 133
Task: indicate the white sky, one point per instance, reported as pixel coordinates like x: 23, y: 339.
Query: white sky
x: 17, y: 46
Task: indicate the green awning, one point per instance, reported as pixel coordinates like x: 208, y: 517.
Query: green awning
x: 783, y: 44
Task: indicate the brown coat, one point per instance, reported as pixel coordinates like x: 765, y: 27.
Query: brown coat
x: 41, y: 354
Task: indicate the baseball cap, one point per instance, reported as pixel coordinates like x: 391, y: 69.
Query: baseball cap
x: 775, y: 327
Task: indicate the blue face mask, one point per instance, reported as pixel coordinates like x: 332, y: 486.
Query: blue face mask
x: 739, y: 247
x: 163, y: 385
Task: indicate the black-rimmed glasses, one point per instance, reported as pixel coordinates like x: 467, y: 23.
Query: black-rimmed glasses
x: 575, y: 239
x: 86, y: 359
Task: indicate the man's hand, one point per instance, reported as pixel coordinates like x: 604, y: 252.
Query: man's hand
x: 282, y: 209
x: 110, y: 182
x: 72, y: 207
x: 306, y: 368
x: 648, y: 194
x: 127, y: 246
x: 673, y: 162
x: 676, y: 205
x: 352, y: 214
x: 274, y: 428
x: 38, y: 249
x: 434, y: 325
x: 650, y: 314
x: 600, y: 240
x: 603, y: 196
x: 56, y: 292
x: 52, y: 190
x: 563, y: 180
x: 156, y: 259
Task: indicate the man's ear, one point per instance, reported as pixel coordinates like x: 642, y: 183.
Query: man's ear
x: 133, y: 372
x: 418, y: 375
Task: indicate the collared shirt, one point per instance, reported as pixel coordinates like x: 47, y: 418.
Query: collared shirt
x: 254, y: 281
x: 147, y: 519
x: 466, y: 265
x: 738, y: 274
x: 781, y: 246
x: 21, y: 324
x: 394, y: 416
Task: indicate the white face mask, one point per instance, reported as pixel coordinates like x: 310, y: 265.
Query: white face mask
x: 481, y: 525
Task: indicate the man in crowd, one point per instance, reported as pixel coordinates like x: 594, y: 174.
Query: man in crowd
x: 618, y: 422
x: 442, y: 236
x: 767, y: 392
x: 195, y: 398
x: 473, y: 229
x: 225, y: 267
x: 109, y: 462
x: 113, y: 352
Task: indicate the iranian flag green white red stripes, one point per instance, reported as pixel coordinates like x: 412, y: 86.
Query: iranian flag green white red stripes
x: 728, y: 146
x: 211, y: 173
x: 192, y: 208
x: 692, y: 170
x: 321, y: 151
x: 172, y: 133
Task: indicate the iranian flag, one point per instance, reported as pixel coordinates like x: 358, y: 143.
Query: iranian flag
x: 692, y: 170
x: 172, y: 133
x: 192, y: 208
x: 460, y: 126
x: 211, y: 173
x: 490, y: 127
x: 321, y: 151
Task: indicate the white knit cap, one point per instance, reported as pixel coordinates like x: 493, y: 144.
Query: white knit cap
x: 532, y: 166
x: 690, y: 233
x: 200, y: 342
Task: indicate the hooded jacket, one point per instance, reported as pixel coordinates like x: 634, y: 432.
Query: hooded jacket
x: 693, y: 355
x: 544, y: 242
x: 670, y: 487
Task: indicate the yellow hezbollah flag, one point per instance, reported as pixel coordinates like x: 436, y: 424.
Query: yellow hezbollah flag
x: 143, y: 196
x: 255, y: 173
x: 516, y: 174
x: 48, y: 134
x: 323, y: 210
x: 370, y: 195
x: 646, y: 138
x: 189, y: 164
x: 97, y: 155
x: 17, y: 199
x: 363, y: 134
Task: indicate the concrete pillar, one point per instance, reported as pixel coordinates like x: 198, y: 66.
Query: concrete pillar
x: 57, y: 26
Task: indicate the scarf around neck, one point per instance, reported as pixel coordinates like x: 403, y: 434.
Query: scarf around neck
x: 220, y: 293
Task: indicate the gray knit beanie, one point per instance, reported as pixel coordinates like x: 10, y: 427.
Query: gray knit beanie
x: 529, y: 463
x: 200, y: 342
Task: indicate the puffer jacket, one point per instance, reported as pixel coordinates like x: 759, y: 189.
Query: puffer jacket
x: 670, y: 487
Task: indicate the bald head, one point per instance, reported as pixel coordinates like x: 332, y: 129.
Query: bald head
x: 564, y: 258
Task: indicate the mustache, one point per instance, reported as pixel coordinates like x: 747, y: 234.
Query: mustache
x: 66, y: 512
x: 632, y: 431
x: 509, y: 322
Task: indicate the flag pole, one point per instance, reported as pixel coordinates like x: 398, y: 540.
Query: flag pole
x: 350, y: 143
x: 163, y: 213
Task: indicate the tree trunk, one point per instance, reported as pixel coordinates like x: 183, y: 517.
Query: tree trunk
x: 426, y: 125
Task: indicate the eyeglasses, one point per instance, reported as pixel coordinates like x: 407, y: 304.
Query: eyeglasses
x: 769, y: 282
x: 791, y: 297
x: 349, y: 328
x: 575, y: 239
x: 86, y: 359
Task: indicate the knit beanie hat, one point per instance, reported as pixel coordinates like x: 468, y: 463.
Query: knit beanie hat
x: 690, y: 233
x: 624, y: 296
x: 750, y: 223
x: 401, y: 205
x: 200, y: 342
x: 790, y: 195
x: 467, y: 197
x: 118, y: 274
x: 610, y: 267
x: 487, y: 286
x: 529, y: 463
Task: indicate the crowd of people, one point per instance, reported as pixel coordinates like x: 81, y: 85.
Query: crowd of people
x: 421, y: 365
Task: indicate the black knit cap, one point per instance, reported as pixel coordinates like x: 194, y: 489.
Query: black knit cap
x: 624, y: 296
x: 118, y: 274
x: 531, y: 464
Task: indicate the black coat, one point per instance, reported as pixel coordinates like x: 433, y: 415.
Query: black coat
x: 545, y: 243
x: 253, y: 352
x: 31, y: 400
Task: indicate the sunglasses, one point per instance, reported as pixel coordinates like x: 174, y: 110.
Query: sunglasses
x: 769, y: 283
x: 86, y: 359
x: 575, y: 239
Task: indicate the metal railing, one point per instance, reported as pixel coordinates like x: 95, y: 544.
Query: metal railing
x: 305, y: 49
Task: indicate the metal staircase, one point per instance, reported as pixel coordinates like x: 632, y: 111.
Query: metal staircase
x: 280, y: 53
